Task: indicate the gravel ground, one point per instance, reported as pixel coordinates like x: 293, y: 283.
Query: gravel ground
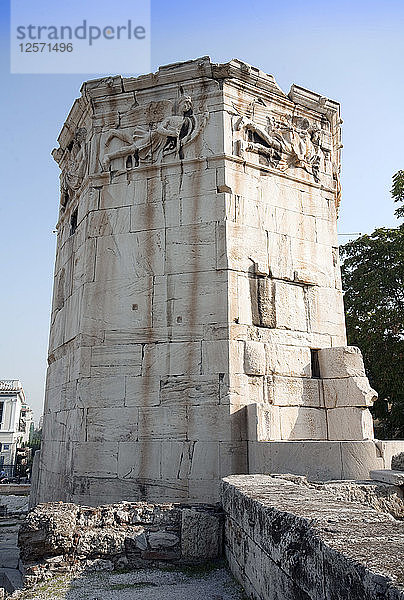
x: 144, y: 584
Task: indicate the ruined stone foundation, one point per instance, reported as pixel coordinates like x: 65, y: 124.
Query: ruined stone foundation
x: 197, y: 324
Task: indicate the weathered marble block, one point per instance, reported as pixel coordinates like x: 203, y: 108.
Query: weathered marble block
x: 297, y: 391
x: 336, y: 363
x: 349, y: 391
x: 302, y: 423
x: 350, y: 423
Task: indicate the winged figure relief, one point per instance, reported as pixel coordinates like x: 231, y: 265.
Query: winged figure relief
x: 287, y: 143
x: 77, y: 161
x: 170, y: 127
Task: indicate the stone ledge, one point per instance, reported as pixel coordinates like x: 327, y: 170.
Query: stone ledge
x: 388, y: 476
x: 15, y: 489
x: 286, y: 539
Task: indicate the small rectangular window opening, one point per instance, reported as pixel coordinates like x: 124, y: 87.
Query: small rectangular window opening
x: 315, y: 364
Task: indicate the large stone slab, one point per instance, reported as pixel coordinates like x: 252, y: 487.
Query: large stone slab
x: 336, y: 363
x: 279, y: 542
x: 318, y: 460
x: 350, y: 423
x: 350, y: 391
x: 388, y: 476
x: 296, y: 391
x: 302, y: 423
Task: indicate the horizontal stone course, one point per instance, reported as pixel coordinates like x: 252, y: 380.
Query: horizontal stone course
x: 320, y: 460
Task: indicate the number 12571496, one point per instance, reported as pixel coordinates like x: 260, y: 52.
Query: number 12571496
x: 46, y: 47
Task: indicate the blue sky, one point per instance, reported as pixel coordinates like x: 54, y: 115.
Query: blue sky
x: 349, y: 51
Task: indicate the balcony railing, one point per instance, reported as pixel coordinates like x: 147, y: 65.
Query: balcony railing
x: 10, y: 385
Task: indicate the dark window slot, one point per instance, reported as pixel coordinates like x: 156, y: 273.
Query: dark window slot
x: 315, y: 364
x: 73, y: 222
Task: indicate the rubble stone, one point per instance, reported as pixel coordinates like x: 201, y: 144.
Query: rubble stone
x: 49, y: 530
x: 59, y: 538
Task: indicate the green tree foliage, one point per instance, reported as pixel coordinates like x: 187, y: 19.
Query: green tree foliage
x: 373, y: 282
x: 397, y: 191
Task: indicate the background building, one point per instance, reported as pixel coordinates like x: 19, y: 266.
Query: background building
x: 16, y: 421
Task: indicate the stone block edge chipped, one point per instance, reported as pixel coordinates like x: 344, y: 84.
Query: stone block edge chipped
x: 323, y: 569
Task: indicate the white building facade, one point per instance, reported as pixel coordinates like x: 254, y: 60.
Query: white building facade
x: 15, y: 421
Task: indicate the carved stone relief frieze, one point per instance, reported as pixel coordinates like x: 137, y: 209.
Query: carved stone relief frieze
x: 170, y: 126
x: 76, y: 165
x: 289, y: 141
x: 146, y: 134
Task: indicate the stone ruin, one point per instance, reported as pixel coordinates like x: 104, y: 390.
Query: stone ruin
x: 283, y: 538
x: 197, y: 326
x: 197, y: 335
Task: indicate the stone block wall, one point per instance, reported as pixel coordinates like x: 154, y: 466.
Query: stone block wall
x: 332, y: 406
x: 288, y: 540
x: 136, y: 403
x: 285, y: 296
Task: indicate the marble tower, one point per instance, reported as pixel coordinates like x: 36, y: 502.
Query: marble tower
x: 197, y: 314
